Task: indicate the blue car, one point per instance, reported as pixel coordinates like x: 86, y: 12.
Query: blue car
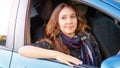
x: 22, y: 22
x: 111, y: 62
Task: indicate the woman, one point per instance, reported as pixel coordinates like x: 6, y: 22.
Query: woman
x: 65, y: 39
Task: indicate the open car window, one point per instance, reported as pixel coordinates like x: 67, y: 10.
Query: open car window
x: 104, y: 27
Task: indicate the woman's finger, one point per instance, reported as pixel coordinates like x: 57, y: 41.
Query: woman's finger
x: 63, y: 60
x: 66, y: 62
x: 74, y: 60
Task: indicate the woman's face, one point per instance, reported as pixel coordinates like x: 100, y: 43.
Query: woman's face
x: 68, y: 21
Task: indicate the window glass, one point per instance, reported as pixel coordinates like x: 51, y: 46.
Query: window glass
x: 5, y: 10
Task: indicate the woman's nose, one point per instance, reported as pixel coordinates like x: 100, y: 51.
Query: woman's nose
x: 69, y: 20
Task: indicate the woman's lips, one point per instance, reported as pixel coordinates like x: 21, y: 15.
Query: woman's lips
x: 69, y: 27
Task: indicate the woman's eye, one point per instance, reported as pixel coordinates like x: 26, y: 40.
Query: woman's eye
x: 73, y: 16
x: 63, y: 18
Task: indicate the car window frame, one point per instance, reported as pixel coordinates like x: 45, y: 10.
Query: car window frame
x: 21, y: 27
x: 97, y: 5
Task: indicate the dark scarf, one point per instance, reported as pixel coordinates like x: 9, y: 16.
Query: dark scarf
x: 81, y: 41
x: 71, y: 42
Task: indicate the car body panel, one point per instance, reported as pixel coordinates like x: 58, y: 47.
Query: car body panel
x: 111, y: 62
x: 5, y: 57
x: 9, y: 58
x: 19, y: 61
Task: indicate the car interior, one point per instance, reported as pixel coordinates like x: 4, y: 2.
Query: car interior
x: 103, y: 27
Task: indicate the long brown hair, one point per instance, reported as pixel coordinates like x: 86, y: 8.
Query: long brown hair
x: 52, y: 28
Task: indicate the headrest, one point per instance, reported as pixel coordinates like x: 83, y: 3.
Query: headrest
x: 82, y: 8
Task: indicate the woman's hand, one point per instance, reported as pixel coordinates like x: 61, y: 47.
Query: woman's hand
x: 67, y: 59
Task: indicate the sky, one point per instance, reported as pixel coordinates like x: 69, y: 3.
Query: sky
x: 5, y: 9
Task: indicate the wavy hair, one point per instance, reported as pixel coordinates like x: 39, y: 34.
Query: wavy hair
x: 52, y: 28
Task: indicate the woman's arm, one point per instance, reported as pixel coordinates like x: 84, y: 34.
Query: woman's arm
x: 37, y: 52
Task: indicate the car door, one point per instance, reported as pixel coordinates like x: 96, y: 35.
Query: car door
x: 7, y: 25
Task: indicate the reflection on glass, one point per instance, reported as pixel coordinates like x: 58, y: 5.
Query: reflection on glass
x: 5, y: 11
x: 2, y: 39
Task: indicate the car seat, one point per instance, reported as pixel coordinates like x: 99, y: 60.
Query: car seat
x: 44, y: 9
x: 107, y: 34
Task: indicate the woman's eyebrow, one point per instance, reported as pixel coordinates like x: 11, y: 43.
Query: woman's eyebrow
x: 73, y: 14
x: 70, y: 14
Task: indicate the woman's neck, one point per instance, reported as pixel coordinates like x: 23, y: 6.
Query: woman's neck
x: 70, y: 35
